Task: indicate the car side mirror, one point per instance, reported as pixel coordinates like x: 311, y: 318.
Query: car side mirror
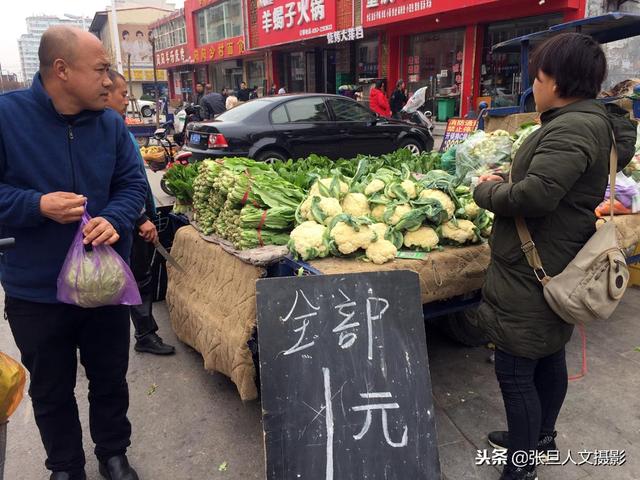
x: 374, y: 120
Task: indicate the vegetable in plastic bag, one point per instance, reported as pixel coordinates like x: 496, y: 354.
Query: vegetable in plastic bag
x: 12, y: 381
x: 483, y: 153
x: 95, y: 277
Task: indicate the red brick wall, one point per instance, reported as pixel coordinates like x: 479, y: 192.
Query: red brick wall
x: 345, y: 14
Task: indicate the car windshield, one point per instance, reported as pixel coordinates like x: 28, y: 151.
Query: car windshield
x: 242, y: 112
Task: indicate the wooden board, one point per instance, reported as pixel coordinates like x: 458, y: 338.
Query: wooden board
x: 346, y: 389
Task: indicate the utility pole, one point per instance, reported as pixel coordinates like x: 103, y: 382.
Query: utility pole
x: 155, y: 78
x: 116, y: 36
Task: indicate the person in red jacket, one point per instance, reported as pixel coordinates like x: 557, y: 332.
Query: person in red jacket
x: 378, y: 101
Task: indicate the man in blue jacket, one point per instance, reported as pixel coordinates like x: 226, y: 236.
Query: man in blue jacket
x: 60, y: 148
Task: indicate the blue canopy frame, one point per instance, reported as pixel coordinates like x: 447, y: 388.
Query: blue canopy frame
x: 603, y: 28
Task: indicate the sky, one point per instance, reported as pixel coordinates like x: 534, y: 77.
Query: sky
x: 13, y: 21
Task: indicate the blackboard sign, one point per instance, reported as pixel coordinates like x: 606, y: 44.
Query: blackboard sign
x: 346, y: 389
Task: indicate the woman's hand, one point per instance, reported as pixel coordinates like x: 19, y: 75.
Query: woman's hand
x: 490, y: 178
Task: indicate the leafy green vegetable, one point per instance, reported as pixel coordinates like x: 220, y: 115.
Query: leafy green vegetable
x: 94, y: 279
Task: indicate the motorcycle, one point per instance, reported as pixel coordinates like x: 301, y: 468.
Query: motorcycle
x: 187, y: 114
x: 413, y: 112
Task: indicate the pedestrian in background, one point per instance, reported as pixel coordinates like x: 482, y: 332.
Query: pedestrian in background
x: 273, y: 90
x: 199, y: 93
x: 145, y: 235
x: 243, y: 93
x: 398, y: 100
x: 83, y: 159
x: 559, y: 177
x: 212, y: 104
x: 232, y: 101
x: 282, y: 91
x: 378, y: 101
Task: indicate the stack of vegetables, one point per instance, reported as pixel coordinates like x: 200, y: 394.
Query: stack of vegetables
x: 180, y: 180
x: 245, y: 202
x: 378, y: 213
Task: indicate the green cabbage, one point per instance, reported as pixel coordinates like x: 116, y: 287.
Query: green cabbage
x: 94, y: 279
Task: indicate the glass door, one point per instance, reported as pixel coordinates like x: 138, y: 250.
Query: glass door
x: 435, y: 60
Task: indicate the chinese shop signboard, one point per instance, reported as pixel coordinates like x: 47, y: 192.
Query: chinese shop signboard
x: 381, y: 12
x: 285, y: 21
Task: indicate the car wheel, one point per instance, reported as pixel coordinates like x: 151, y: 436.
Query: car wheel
x: 142, y: 141
x: 270, y: 156
x: 146, y: 111
x: 412, y: 145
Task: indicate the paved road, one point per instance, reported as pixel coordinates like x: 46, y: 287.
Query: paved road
x: 188, y: 422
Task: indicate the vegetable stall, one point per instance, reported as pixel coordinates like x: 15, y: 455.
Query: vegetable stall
x: 250, y: 220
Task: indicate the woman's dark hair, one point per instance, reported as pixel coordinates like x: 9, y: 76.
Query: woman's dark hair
x: 399, y: 83
x: 575, y: 61
x: 139, y: 33
x: 114, y: 75
x: 125, y: 33
x: 379, y: 84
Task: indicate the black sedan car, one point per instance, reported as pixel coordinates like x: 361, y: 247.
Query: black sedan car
x: 295, y: 126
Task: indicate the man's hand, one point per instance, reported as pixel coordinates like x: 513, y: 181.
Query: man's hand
x: 148, y: 232
x: 99, y: 232
x: 62, y: 207
x: 490, y: 178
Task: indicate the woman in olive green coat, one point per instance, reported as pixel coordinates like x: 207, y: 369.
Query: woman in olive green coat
x: 559, y: 177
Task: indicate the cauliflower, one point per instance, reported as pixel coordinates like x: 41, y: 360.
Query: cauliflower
x: 348, y: 240
x: 324, y: 209
x: 463, y: 232
x: 398, y: 212
x: 443, y: 198
x: 308, y: 240
x: 381, y: 252
x: 424, y: 238
x: 356, y: 204
x: 380, y: 229
x: 499, y: 133
x: 374, y: 187
x: 305, y: 208
x: 471, y: 210
x: 340, y: 188
x: 408, y: 186
x: 377, y: 213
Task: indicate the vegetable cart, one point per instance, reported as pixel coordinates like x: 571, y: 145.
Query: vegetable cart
x: 143, y: 132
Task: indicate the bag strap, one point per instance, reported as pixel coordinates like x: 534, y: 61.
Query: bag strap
x: 529, y: 247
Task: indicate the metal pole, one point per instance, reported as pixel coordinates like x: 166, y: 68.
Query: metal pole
x: 116, y: 36
x: 3, y: 447
x: 155, y: 80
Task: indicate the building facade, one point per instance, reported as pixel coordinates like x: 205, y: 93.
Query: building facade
x: 136, y: 45
x: 28, y: 43
x: 320, y: 45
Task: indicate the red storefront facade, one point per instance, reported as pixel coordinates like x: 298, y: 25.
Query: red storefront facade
x: 318, y: 45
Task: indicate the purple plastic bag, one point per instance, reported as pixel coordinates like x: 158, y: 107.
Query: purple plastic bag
x: 95, y: 276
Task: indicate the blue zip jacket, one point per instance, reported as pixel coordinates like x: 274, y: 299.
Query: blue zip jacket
x: 41, y: 152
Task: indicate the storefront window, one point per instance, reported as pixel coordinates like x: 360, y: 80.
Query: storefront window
x: 434, y: 60
x: 501, y: 79
x: 219, y: 21
x: 256, y: 77
x: 367, y: 59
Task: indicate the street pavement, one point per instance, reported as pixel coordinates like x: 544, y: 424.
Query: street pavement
x: 191, y: 425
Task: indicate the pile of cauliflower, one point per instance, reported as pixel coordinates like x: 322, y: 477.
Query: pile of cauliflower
x: 376, y: 216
